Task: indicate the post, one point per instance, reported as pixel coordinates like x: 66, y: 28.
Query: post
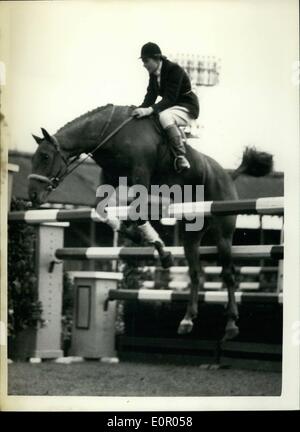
x: 50, y: 287
x: 92, y: 225
x: 12, y: 168
x: 261, y: 240
x: 176, y: 234
x: 280, y: 267
x: 115, y: 264
x: 93, y: 333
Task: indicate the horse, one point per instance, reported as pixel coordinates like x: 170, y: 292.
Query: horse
x: 137, y: 149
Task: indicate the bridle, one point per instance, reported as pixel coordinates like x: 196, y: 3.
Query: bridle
x: 55, y: 180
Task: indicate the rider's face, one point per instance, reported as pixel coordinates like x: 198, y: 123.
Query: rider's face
x: 150, y: 64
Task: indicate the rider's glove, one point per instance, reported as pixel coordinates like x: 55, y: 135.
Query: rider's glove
x: 142, y: 112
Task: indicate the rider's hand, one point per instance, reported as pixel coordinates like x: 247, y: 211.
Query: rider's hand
x: 142, y: 112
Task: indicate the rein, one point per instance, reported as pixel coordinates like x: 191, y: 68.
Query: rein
x: 54, y: 181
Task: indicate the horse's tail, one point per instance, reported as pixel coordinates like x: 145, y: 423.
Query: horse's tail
x: 254, y: 163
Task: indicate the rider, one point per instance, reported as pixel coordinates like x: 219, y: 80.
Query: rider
x: 179, y: 104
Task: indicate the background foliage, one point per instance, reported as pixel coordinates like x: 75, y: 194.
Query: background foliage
x: 24, y: 308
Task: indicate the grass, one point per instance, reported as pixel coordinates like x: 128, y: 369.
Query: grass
x: 134, y: 378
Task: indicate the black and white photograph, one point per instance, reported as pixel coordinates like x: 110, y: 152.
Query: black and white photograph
x: 149, y: 206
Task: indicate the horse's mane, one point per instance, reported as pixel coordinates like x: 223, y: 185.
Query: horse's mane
x: 92, y: 112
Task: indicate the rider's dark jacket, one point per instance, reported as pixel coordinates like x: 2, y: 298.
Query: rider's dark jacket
x: 175, y: 89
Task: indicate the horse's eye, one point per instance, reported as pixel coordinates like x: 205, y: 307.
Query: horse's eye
x: 45, y: 156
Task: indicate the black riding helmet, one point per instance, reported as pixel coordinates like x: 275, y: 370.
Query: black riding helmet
x: 152, y: 50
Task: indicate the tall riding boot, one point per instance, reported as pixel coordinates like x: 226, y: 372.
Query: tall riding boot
x: 173, y: 133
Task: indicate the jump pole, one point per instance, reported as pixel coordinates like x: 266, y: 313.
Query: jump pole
x: 184, y: 285
x: 112, y: 253
x: 262, y: 206
x: 216, y: 270
x: 168, y: 296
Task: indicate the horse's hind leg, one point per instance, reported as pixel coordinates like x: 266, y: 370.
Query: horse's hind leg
x: 191, y: 242
x: 224, y: 235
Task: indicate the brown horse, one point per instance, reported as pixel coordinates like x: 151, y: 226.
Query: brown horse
x: 138, y: 152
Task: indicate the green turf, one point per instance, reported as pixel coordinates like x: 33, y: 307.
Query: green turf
x: 138, y: 379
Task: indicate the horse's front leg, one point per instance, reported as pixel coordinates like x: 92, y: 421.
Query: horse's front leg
x: 140, y: 181
x: 152, y: 237
x: 101, y: 213
x: 191, y: 243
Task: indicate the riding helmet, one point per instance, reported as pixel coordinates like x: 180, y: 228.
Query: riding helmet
x: 150, y: 49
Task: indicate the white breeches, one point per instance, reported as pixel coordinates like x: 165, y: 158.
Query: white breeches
x: 175, y: 115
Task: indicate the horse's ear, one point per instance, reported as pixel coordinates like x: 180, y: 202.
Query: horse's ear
x: 46, y: 135
x: 37, y: 139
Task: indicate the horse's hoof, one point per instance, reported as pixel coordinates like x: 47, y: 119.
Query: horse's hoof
x: 185, y: 327
x: 166, y: 260
x: 231, y: 331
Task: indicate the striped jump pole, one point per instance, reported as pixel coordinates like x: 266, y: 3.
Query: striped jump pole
x: 53, y: 215
x: 184, y: 285
x: 262, y: 206
x: 111, y: 253
x: 266, y: 206
x: 216, y: 270
x: 204, y: 297
x: 259, y: 206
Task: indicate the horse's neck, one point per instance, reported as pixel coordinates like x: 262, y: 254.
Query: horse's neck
x: 82, y: 136
x: 73, y: 141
